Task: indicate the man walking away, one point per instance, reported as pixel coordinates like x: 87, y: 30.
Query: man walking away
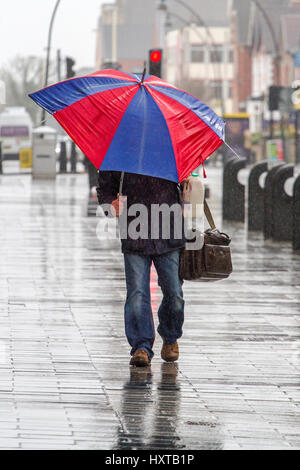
x: 139, y: 253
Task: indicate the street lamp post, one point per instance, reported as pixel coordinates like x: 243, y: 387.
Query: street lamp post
x: 48, y: 53
x: 199, y: 19
x: 162, y: 9
x: 202, y: 23
x: 199, y: 34
x: 274, y: 39
x: 277, y: 59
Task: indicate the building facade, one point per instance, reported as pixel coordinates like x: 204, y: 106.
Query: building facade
x: 127, y: 29
x: 200, y: 61
x: 265, y: 46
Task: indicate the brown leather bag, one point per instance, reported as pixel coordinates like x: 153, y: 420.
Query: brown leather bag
x: 213, y: 261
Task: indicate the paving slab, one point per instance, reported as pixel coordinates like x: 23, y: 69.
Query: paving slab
x: 65, y: 380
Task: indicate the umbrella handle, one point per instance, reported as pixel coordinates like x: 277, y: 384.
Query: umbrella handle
x: 121, y: 184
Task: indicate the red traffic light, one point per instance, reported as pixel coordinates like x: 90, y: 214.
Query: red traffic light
x: 155, y: 62
x: 155, y: 56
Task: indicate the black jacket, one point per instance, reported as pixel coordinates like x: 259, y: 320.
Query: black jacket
x: 145, y: 190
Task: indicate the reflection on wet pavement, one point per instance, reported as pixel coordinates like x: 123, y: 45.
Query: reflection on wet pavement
x: 150, y: 413
x: 65, y: 379
x: 137, y: 395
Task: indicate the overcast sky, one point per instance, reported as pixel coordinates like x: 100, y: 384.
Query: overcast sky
x: 24, y: 28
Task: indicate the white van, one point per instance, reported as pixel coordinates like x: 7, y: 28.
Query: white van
x: 15, y: 131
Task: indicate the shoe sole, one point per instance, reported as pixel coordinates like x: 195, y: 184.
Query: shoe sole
x: 170, y: 359
x: 139, y: 363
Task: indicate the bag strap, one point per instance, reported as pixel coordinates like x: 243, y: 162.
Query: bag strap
x: 209, y: 216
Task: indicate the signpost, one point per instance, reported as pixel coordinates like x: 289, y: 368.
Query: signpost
x: 237, y: 132
x: 274, y: 152
x: 296, y: 59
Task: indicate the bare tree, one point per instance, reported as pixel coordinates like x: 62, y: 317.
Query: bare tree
x: 23, y: 75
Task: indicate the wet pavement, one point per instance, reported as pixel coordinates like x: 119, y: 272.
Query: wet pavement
x: 65, y: 382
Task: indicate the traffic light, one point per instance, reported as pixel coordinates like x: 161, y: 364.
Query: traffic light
x: 69, y: 67
x: 280, y: 99
x: 274, y: 97
x: 155, y: 62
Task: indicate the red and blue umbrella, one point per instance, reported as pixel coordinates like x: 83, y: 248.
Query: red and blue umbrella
x: 142, y: 125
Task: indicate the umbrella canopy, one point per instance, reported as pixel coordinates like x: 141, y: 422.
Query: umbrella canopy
x: 123, y: 122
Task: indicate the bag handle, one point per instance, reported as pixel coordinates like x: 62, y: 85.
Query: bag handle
x: 209, y: 216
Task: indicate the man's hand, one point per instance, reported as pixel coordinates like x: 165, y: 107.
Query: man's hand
x: 186, y: 187
x: 117, y: 206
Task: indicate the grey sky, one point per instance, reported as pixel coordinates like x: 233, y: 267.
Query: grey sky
x: 24, y: 28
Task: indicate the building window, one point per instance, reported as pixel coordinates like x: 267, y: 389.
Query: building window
x: 171, y: 56
x: 216, y: 54
x: 216, y: 89
x: 197, y: 54
x: 229, y: 91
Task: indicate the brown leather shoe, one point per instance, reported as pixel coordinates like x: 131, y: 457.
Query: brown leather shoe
x: 140, y: 359
x: 170, y: 352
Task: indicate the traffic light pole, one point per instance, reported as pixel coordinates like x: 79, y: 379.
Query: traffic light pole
x: 48, y: 54
x: 69, y: 66
x: 277, y: 60
x: 274, y: 39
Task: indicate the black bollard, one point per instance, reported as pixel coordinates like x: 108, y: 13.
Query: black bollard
x: 226, y: 179
x: 73, y: 158
x: 268, y: 201
x: 63, y: 158
x: 233, y: 191
x: 282, y: 205
x: 1, y: 168
x: 92, y: 173
x: 93, y: 182
x: 256, y: 197
x: 296, y: 214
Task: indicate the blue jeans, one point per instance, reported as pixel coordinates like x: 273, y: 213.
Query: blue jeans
x: 139, y: 326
